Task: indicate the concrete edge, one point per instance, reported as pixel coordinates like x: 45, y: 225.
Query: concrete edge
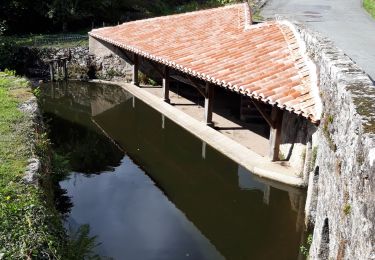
x: 215, y: 139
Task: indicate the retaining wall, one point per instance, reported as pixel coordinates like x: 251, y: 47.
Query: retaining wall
x: 341, y: 192
x: 81, y: 64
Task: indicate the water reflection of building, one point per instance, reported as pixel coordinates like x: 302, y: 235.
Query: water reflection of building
x: 235, y: 210
x: 242, y: 215
x: 80, y: 99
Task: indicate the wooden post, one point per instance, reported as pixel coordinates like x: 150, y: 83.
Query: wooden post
x: 204, y: 150
x: 208, y: 104
x: 162, y: 121
x: 58, y: 67
x: 135, y: 68
x: 51, y: 71
x: 166, y: 81
x: 65, y: 70
x: 275, y: 133
x: 266, y: 195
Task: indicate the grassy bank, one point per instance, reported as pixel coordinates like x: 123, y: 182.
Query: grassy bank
x: 29, y: 225
x: 369, y: 5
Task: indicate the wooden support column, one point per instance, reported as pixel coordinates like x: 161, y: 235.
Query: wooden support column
x: 166, y: 81
x: 204, y: 145
x: 65, y: 70
x: 162, y: 121
x: 208, y: 104
x: 135, y: 69
x: 51, y: 71
x: 57, y: 70
x: 275, y: 133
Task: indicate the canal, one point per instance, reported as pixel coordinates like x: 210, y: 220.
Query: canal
x: 148, y: 189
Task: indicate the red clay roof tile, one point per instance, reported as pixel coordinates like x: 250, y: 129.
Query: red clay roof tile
x: 221, y: 46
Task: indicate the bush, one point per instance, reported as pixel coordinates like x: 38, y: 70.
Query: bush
x: 6, y: 53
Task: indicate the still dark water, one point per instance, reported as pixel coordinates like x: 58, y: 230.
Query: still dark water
x: 150, y: 190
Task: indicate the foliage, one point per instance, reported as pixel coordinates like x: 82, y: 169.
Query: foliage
x: 197, y: 5
x: 81, y: 245
x: 60, y: 166
x: 347, y: 209
x: 24, y: 16
x: 3, y: 27
x: 29, y: 225
x: 84, y: 149
x: 40, y: 23
x: 369, y: 5
x: 9, y: 81
x: 145, y: 80
x: 7, y: 52
x: 304, y: 249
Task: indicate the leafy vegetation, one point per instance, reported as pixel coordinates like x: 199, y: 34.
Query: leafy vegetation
x: 46, y: 23
x: 347, y: 209
x: 82, y: 245
x: 24, y: 16
x: 29, y: 225
x: 84, y: 150
x: 369, y: 5
x: 304, y: 249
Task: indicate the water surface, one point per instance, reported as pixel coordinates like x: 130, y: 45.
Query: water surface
x: 151, y: 190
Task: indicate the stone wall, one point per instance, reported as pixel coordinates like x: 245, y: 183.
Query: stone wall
x: 81, y: 64
x: 341, y: 193
x: 106, y: 53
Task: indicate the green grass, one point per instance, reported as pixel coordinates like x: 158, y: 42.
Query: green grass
x: 29, y: 226
x: 369, y: 5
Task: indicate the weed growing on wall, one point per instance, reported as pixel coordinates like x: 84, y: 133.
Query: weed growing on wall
x: 304, y: 249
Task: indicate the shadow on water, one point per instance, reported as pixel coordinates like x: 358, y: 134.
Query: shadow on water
x: 151, y: 190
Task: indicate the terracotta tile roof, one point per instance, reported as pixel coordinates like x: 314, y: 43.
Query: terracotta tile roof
x: 265, y: 61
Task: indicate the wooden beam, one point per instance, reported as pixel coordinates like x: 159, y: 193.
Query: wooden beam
x: 261, y: 109
x: 158, y: 70
x: 189, y: 81
x: 126, y: 55
x: 201, y: 88
x: 166, y: 81
x: 208, y: 104
x: 275, y: 133
x: 135, y: 69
